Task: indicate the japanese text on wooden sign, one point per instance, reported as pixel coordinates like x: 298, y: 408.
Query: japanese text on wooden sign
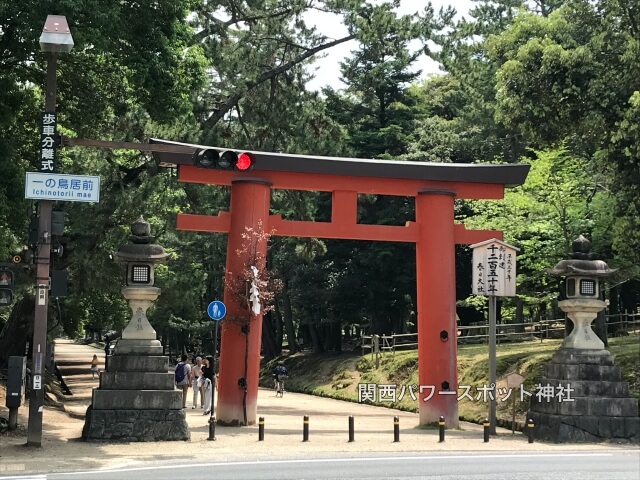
x: 494, y: 269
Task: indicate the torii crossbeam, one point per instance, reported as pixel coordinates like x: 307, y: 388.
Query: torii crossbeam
x: 434, y: 187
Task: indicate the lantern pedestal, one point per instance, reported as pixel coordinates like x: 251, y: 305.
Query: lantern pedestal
x: 582, y: 312
x: 139, y: 337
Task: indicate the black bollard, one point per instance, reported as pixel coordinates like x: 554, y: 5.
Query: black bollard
x: 305, y: 428
x: 530, y: 430
x: 441, y: 428
x: 261, y: 429
x: 396, y: 429
x: 212, y: 428
x: 351, y: 421
x: 486, y: 424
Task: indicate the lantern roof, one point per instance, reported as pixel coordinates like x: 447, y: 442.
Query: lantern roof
x: 582, y: 262
x: 141, y: 249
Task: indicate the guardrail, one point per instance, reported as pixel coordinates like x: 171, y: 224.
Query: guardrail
x: 506, y: 332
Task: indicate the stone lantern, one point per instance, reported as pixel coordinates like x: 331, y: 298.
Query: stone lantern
x: 137, y: 399
x: 140, y: 256
x: 582, y: 293
x: 582, y: 396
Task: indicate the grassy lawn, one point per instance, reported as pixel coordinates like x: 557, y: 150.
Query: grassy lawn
x: 337, y: 375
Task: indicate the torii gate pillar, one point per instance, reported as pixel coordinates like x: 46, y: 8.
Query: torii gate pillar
x: 249, y: 209
x: 436, y: 287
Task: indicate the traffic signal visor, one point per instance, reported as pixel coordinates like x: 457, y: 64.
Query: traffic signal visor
x: 227, y: 160
x: 6, y: 288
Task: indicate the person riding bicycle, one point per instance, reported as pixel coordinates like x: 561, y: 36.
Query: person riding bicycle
x: 279, y: 374
x: 279, y: 370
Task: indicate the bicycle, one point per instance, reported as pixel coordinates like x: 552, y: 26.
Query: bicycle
x: 278, y: 384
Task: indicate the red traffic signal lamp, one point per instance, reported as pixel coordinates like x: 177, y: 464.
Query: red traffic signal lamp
x: 227, y: 160
x: 6, y: 288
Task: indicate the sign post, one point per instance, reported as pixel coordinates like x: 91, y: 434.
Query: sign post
x: 494, y: 275
x: 216, y: 311
x: 55, y: 38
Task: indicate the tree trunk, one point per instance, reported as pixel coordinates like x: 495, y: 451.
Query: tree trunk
x: 614, y: 309
x: 18, y: 330
x: 316, y: 339
x: 287, y: 317
x: 519, y: 315
x: 336, y: 335
x: 600, y: 327
x: 269, y: 348
x: 276, y: 320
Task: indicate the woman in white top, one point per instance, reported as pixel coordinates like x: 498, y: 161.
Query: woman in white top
x: 196, y: 381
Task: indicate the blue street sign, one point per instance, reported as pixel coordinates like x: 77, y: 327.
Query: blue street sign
x: 216, y: 310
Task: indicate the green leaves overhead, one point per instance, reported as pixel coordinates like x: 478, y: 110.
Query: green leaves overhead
x: 554, y: 83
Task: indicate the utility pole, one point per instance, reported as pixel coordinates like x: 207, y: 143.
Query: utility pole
x: 55, y: 38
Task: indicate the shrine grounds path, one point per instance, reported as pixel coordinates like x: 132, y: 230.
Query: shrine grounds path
x: 63, y: 450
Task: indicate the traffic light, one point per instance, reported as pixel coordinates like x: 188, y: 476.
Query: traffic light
x: 227, y: 160
x: 6, y: 288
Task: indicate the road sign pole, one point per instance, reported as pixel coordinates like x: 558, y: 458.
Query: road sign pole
x: 43, y: 257
x: 492, y: 364
x: 212, y: 419
x: 216, y: 311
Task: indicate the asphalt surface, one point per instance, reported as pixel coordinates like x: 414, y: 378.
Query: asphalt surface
x: 479, y: 466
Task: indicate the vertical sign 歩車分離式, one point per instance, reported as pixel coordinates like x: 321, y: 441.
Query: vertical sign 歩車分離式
x: 48, y: 143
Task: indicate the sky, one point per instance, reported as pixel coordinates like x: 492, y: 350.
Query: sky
x: 328, y: 68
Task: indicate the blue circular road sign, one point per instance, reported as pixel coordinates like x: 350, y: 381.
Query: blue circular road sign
x: 216, y: 310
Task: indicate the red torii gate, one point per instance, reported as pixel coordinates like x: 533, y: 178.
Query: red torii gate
x: 434, y: 187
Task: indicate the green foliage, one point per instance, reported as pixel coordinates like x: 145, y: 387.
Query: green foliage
x: 544, y: 216
x: 552, y: 83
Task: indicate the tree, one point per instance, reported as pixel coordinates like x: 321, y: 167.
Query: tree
x: 127, y: 57
x: 543, y: 217
x: 572, y: 78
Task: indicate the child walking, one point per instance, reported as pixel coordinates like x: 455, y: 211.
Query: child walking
x: 94, y: 366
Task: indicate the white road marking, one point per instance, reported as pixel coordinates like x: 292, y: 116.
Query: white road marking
x: 350, y: 459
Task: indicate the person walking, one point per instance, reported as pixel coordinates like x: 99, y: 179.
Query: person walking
x: 182, y: 376
x: 207, y: 384
x: 196, y: 383
x: 94, y: 366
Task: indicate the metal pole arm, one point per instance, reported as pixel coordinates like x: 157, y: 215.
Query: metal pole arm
x: 143, y: 147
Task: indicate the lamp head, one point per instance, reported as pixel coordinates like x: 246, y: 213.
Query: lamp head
x: 56, y: 36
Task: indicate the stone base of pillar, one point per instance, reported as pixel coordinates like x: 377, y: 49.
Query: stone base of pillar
x: 135, y: 425
x: 129, y: 346
x: 136, y: 400
x: 594, y: 405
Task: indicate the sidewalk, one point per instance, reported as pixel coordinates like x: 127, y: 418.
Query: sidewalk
x: 63, y: 450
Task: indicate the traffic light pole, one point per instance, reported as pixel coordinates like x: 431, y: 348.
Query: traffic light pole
x: 43, y: 257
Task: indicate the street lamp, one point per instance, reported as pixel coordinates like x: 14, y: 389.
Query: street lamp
x: 55, y: 38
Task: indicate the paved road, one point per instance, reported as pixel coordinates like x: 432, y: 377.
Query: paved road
x: 623, y: 465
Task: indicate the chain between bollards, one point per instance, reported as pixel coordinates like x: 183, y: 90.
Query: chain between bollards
x: 486, y: 425
x: 305, y: 428
x: 261, y: 429
x: 351, y: 422
x: 396, y: 429
x: 530, y: 430
x: 441, y: 429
